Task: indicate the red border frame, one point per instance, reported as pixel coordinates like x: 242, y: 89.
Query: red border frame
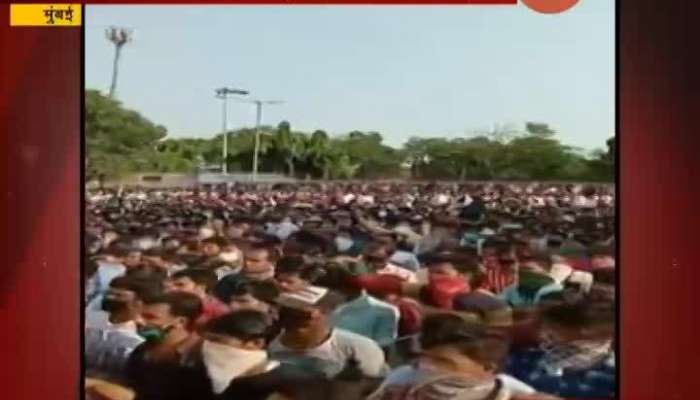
x: 40, y: 114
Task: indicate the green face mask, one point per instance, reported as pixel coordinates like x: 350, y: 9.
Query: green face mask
x: 154, y: 334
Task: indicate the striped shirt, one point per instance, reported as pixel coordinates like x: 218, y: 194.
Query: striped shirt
x: 498, y: 279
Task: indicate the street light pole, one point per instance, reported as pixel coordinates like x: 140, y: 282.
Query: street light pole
x: 223, y: 93
x: 119, y: 37
x: 224, y: 159
x: 258, y: 118
x: 258, y: 122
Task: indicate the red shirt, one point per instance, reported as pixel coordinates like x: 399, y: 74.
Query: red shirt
x: 499, y: 278
x: 411, y: 316
x: 211, y: 308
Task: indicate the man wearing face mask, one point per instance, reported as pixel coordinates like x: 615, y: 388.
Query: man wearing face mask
x: 236, y: 365
x: 159, y: 369
x: 107, y: 347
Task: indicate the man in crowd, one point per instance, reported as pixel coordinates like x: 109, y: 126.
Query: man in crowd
x: 334, y: 274
x: 309, y: 340
x: 108, y: 345
x: 199, y: 282
x: 159, y: 368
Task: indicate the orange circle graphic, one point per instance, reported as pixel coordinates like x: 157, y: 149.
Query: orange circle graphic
x: 550, y: 6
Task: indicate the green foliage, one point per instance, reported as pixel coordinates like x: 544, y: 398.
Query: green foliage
x: 121, y: 141
x: 118, y: 140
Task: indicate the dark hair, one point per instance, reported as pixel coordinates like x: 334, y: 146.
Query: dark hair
x: 264, y: 290
x: 244, y: 325
x: 462, y: 262
x: 181, y: 304
x: 147, y: 271
x: 312, y: 243
x: 542, y: 258
x: 217, y: 240
x: 200, y: 276
x: 295, y: 265
x: 154, y: 252
x: 329, y: 302
x: 478, y: 279
x: 472, y: 340
x: 272, y: 253
x: 448, y: 329
x: 143, y: 288
x: 583, y: 313
x: 91, y: 267
x: 374, y: 246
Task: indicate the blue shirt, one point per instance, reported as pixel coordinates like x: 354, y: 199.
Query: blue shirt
x: 512, y: 296
x: 106, y: 272
x: 107, y: 349
x: 368, y: 317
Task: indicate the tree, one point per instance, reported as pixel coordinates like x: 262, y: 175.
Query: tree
x: 120, y: 140
x: 117, y: 140
x: 539, y: 129
x: 290, y: 146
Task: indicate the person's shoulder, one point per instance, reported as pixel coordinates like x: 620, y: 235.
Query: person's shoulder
x: 291, y: 372
x: 346, y: 338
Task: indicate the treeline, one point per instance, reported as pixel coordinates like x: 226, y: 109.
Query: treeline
x: 121, y: 141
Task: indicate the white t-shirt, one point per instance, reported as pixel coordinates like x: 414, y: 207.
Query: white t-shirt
x: 333, y: 355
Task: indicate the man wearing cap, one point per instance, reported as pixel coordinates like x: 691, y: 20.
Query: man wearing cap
x: 308, y: 340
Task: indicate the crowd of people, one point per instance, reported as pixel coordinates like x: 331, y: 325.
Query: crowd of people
x: 379, y: 291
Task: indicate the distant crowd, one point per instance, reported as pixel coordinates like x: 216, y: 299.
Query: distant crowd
x: 379, y: 291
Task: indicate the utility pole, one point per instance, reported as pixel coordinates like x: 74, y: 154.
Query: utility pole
x: 258, y: 122
x: 223, y: 93
x: 119, y: 37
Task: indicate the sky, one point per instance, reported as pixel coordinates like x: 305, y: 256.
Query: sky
x: 399, y: 70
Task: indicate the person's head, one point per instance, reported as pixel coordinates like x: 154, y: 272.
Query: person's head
x: 255, y: 296
x: 168, y: 313
x: 602, y: 257
x: 238, y: 229
x: 343, y: 241
x: 377, y: 254
x: 479, y: 279
x: 536, y: 260
x: 468, y: 344
x: 259, y: 259
x: 450, y: 265
x: 299, y: 316
x: 531, y: 281
x: 192, y: 280
x: 241, y: 329
x: 494, y: 249
x: 234, y: 345
x: 147, y: 270
x: 91, y: 267
x: 231, y: 254
x: 293, y: 275
x: 125, y: 296
x: 211, y: 247
x: 132, y: 259
x: 583, y: 320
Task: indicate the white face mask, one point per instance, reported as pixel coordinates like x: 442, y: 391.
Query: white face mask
x: 343, y: 244
x: 206, y: 233
x: 225, y: 363
x: 146, y: 243
x: 230, y: 256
